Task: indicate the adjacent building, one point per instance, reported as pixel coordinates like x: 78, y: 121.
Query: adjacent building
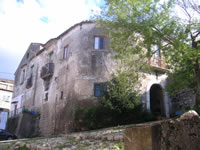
x: 6, y: 90
x: 68, y: 71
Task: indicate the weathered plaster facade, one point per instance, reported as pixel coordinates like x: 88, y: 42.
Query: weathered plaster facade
x: 6, y: 90
x: 54, y: 77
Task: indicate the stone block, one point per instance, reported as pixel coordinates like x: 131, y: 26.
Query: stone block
x: 145, y: 137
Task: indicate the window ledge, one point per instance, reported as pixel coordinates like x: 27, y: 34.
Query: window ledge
x: 100, y: 50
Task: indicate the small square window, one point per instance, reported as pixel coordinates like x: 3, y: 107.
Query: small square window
x: 51, y: 55
x: 61, y: 95
x: 98, y: 42
x: 100, y: 89
x: 65, y: 53
x: 46, y: 96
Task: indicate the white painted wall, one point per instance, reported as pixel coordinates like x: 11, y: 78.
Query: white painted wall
x: 3, y: 120
x: 5, y: 99
x: 162, y: 81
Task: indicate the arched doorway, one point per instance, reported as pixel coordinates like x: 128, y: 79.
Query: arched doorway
x: 157, y: 100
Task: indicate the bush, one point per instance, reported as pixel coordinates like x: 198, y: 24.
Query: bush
x: 97, y: 117
x: 121, y: 105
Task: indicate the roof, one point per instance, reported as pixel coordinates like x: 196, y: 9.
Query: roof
x: 62, y: 34
x: 6, y: 81
x: 32, y: 50
x: 68, y: 30
x: 35, y: 47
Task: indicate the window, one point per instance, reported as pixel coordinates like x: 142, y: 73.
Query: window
x: 46, y: 96
x: 22, y: 76
x: 65, y: 54
x: 27, y: 55
x: 22, y: 101
x: 100, y: 89
x: 51, y: 55
x: 98, y: 42
x: 32, y: 69
x: 30, y: 78
x: 156, y: 51
x: 61, y: 95
x: 4, y: 98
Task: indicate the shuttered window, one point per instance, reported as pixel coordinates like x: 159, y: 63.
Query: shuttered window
x: 65, y: 54
x: 98, y: 42
x: 100, y: 89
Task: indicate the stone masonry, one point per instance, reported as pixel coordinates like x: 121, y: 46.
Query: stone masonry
x: 174, y: 134
x: 182, y: 133
x: 53, y: 78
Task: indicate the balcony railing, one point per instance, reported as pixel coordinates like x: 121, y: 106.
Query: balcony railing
x: 47, y: 71
x: 158, y: 63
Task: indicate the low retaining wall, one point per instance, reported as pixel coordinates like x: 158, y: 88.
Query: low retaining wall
x: 174, y: 134
x: 12, y: 124
x: 24, y: 125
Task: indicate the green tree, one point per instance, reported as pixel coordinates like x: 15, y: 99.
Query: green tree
x: 122, y: 93
x: 135, y: 26
x: 120, y: 105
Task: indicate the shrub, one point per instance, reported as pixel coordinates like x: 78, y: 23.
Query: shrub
x: 121, y: 105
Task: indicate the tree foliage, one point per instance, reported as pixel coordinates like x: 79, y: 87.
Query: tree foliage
x: 122, y: 93
x: 135, y: 26
x: 121, y: 104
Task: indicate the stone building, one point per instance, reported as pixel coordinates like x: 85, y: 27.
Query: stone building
x: 6, y: 90
x: 54, y: 77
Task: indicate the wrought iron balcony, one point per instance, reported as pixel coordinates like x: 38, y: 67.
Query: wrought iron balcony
x: 158, y: 63
x: 47, y: 71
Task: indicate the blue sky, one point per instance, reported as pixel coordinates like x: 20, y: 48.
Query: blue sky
x: 26, y: 21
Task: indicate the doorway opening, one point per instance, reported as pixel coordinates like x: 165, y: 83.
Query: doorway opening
x: 157, y: 100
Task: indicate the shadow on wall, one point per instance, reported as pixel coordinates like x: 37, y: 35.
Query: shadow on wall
x: 24, y: 125
x: 12, y: 124
x: 65, y: 116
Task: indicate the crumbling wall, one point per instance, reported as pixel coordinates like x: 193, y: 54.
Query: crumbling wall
x: 173, y: 134
x: 184, y: 99
x: 73, y: 78
x: 182, y: 133
x: 24, y: 125
x: 29, y: 126
x: 12, y: 123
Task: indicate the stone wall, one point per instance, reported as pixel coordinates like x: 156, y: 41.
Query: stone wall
x: 29, y: 126
x: 72, y: 81
x: 24, y: 125
x: 182, y: 133
x: 174, y: 134
x: 184, y: 99
x: 12, y: 124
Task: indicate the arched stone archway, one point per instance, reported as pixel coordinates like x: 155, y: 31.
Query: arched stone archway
x: 157, y: 100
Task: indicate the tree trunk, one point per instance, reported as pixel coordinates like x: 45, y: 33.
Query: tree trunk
x: 197, y: 73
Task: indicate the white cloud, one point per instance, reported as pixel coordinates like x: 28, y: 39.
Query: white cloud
x: 21, y: 22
